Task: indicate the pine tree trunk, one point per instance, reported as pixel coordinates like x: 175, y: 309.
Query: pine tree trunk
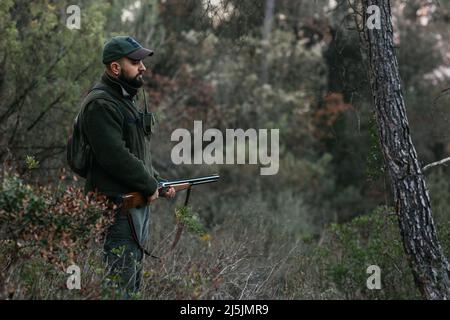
x: 429, y: 266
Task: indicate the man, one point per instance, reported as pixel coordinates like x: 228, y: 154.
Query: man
x: 119, y: 135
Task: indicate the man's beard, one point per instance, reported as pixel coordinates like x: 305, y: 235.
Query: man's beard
x: 135, y: 82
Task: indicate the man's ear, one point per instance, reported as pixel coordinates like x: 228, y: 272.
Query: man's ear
x: 115, y: 68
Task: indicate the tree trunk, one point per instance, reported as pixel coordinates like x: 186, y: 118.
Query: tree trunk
x: 429, y: 266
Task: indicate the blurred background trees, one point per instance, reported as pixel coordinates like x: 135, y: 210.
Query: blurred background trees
x: 289, y: 65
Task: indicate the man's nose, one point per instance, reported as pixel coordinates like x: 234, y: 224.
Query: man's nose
x: 142, y: 67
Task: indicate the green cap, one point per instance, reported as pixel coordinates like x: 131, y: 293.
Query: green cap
x: 124, y: 46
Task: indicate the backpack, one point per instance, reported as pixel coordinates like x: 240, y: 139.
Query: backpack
x: 79, y: 152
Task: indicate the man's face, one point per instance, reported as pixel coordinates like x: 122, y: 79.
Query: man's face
x: 131, y: 72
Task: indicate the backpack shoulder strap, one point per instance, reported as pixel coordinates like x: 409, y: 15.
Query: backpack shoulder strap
x: 101, y: 91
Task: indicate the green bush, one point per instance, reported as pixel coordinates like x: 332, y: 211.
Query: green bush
x: 42, y: 231
x: 337, y: 268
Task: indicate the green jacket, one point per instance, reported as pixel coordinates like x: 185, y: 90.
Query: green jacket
x: 122, y: 160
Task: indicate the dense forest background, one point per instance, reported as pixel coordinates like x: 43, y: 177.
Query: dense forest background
x: 309, y: 232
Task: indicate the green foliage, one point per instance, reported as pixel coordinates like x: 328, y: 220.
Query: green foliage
x: 43, y: 230
x: 31, y: 162
x: 341, y: 261
x: 186, y: 217
x: 42, y: 221
x: 210, y: 66
x: 45, y: 67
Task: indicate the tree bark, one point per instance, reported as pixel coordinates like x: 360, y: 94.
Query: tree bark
x: 429, y: 266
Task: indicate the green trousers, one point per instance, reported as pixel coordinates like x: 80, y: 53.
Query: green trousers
x: 122, y: 254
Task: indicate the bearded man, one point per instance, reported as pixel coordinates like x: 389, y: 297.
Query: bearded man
x: 118, y: 132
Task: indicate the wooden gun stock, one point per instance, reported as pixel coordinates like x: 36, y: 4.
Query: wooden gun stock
x: 133, y: 200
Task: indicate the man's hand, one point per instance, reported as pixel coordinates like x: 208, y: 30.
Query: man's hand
x: 170, y: 193
x: 153, y: 197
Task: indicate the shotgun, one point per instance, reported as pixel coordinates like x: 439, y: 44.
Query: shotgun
x: 136, y: 200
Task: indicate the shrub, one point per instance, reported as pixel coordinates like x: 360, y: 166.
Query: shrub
x: 338, y: 267
x: 43, y: 230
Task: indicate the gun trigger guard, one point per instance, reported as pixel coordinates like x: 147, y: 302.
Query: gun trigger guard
x: 162, y: 191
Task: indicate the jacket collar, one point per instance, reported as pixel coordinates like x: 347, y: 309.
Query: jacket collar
x: 120, y: 87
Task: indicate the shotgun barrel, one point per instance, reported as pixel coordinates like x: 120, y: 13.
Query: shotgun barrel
x: 192, y: 182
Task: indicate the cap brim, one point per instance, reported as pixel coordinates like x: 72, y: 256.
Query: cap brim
x: 140, y: 54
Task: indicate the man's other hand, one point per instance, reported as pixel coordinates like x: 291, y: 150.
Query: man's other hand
x: 153, y: 197
x: 170, y: 193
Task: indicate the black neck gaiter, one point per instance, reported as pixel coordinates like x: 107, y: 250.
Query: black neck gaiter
x: 117, y: 82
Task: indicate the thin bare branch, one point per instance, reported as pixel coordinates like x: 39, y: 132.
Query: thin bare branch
x: 437, y: 163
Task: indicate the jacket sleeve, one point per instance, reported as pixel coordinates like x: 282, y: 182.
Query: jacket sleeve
x: 103, y: 127
x: 156, y: 174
